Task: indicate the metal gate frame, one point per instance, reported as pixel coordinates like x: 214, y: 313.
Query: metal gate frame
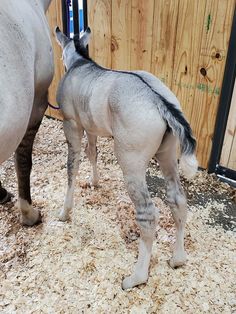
x: 66, y: 16
x: 223, y: 111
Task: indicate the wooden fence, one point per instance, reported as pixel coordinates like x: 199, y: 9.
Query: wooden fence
x: 54, y: 16
x: 183, y: 42
x: 228, y: 156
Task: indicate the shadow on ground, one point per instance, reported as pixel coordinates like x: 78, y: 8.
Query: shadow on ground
x: 202, y: 191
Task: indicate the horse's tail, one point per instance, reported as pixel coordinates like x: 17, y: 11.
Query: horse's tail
x: 181, y: 128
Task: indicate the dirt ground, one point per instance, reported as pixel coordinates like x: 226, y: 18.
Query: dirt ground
x: 78, y: 266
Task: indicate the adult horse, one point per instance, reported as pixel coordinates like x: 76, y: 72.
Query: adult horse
x: 26, y: 71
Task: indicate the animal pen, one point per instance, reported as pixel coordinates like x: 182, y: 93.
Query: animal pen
x: 78, y: 266
x: 189, y: 45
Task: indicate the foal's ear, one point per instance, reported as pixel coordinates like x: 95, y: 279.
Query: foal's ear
x: 84, y: 41
x: 62, y: 39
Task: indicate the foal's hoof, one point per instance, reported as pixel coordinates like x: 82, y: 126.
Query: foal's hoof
x: 63, y: 216
x: 177, y: 261
x: 5, y: 196
x: 93, y: 182
x: 34, y: 217
x: 133, y: 281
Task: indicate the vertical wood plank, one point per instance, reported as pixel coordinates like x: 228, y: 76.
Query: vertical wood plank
x: 211, y: 63
x: 164, y: 38
x: 141, y: 41
x: 232, y: 157
x: 54, y: 17
x: 121, y: 34
x: 228, y: 156
x: 99, y: 20
x: 187, y: 51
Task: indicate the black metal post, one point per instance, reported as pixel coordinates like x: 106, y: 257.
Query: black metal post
x: 76, y: 16
x: 225, y: 101
x: 65, y: 17
x: 85, y: 14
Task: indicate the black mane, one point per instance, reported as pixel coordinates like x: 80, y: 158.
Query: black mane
x: 81, y: 50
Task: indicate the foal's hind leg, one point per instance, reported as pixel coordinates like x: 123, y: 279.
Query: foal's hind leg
x: 133, y: 165
x: 91, y: 151
x: 74, y: 136
x: 167, y: 159
x: 23, y: 163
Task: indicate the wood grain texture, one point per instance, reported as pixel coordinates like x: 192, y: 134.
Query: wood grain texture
x: 142, y: 12
x: 187, y: 49
x: 164, y: 39
x: 121, y: 34
x: 228, y: 155
x: 99, y: 20
x: 211, y: 63
x: 232, y: 157
x: 55, y: 19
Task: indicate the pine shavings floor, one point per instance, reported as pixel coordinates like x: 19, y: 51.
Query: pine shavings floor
x: 78, y: 266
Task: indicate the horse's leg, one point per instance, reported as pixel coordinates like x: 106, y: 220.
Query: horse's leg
x: 167, y: 159
x: 74, y: 134
x: 91, y: 152
x: 4, y: 195
x: 134, y: 164
x: 23, y: 163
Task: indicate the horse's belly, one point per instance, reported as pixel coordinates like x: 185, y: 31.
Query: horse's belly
x: 97, y: 125
x: 44, y: 69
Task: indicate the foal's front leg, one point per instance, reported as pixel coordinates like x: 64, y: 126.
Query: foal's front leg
x: 91, y: 152
x: 74, y: 134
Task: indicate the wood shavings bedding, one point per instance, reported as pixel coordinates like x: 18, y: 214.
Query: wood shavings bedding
x: 77, y: 267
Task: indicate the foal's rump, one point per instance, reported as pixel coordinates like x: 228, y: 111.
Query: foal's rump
x: 145, y: 108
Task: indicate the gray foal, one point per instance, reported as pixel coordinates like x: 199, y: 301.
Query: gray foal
x: 145, y: 120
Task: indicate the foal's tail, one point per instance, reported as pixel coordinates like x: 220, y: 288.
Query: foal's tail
x: 181, y: 128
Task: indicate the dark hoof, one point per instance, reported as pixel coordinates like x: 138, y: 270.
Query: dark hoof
x: 5, y: 196
x: 40, y: 219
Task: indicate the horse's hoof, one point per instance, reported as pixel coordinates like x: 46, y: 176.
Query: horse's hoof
x: 176, y: 262
x: 32, y: 218
x: 63, y: 216
x: 133, y: 281
x: 5, y: 196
